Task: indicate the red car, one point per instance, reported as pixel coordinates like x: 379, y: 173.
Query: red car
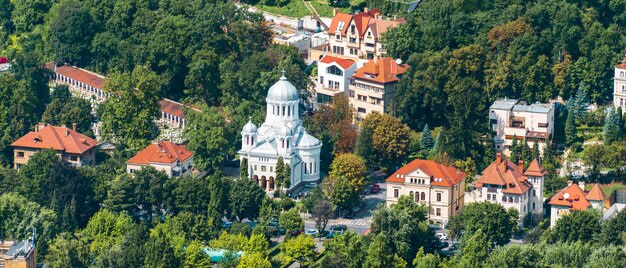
x: 375, y: 188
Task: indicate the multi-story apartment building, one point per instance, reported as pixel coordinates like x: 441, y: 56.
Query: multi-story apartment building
x: 357, y: 35
x: 574, y: 197
x: 373, y: 87
x: 171, y: 158
x: 333, y: 77
x: 18, y: 254
x: 511, y: 118
x: 619, y: 85
x: 508, y: 184
x: 441, y: 188
x: 71, y: 146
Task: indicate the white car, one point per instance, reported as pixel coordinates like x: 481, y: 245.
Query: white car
x: 442, y: 237
x: 312, y: 232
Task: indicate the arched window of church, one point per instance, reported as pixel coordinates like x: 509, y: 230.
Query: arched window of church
x: 282, y: 143
x: 289, y: 110
x: 283, y: 110
x: 247, y: 140
x: 305, y: 169
x: 423, y: 196
x: 252, y: 140
x: 274, y: 109
x: 287, y: 143
x: 311, y: 166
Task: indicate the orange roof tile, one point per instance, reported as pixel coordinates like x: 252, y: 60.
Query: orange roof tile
x: 379, y: 26
x: 339, y: 17
x: 344, y: 63
x: 596, y: 194
x: 163, y: 152
x: 93, y: 79
x: 505, y: 173
x: 384, y: 70
x: 535, y: 169
x: 572, y: 197
x: 622, y: 65
x: 56, y: 138
x: 441, y: 175
x: 174, y: 108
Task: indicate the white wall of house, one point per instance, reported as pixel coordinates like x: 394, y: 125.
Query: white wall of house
x: 619, y: 88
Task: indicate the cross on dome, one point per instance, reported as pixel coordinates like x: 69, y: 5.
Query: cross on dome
x: 283, y: 77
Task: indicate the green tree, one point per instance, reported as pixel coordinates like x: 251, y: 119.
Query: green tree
x: 322, y: 212
x: 64, y: 109
x: 612, y: 131
x: 475, y: 249
x: 536, y: 152
x: 390, y: 139
x: 257, y: 245
x: 27, y: 14
x: 516, y: 150
x: 364, y: 145
x: 350, y: 166
x: 120, y: 196
x: 426, y: 260
x: 300, y: 249
x: 245, y: 199
x: 291, y: 220
x: 71, y: 33
x: 344, y: 250
x: 341, y: 192
x: 195, y: 256
x: 380, y: 254
x: 437, y: 147
x: 150, y: 191
x: 128, y: 115
x: 576, y: 226
x: 614, y: 230
x: 159, y: 251
x: 498, y: 223
x: 243, y: 169
x: 279, y: 173
x: 593, y: 157
x: 426, y: 141
x: 571, y: 133
x: 254, y: 260
x: 18, y: 110
x: 231, y: 242
x: 208, y: 137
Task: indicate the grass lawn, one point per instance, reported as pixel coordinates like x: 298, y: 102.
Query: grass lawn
x: 296, y: 8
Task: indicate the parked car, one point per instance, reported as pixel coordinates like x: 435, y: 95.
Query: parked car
x: 375, y: 188
x: 311, y: 185
x: 334, y: 233
x: 442, y: 237
x: 312, y: 232
x: 227, y: 224
x: 454, y: 246
x: 251, y: 223
x: 340, y: 227
x: 443, y: 244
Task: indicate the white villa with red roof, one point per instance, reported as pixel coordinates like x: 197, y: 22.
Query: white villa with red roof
x: 71, y: 146
x: 171, y: 158
x: 333, y: 78
x: 510, y: 185
x: 441, y: 188
x: 574, y: 197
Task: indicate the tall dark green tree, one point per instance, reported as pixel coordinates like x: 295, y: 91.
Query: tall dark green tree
x: 497, y: 223
x: 71, y: 33
x: 65, y: 109
x: 516, y: 150
x: 612, y: 131
x: 426, y: 141
x: 208, y: 137
x: 571, y: 133
x: 245, y: 199
x: 243, y: 169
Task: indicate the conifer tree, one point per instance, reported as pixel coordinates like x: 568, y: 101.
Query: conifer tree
x: 581, y: 101
x: 570, y: 128
x: 536, y: 150
x: 243, y: 169
x: 279, y: 172
x: 515, y: 150
x: 611, y: 126
x: 526, y: 154
x: 426, y: 141
x: 490, y: 150
x: 549, y: 161
x: 437, y: 146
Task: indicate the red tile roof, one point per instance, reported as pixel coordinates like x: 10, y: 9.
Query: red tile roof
x: 344, y: 63
x: 361, y: 21
x: 379, y: 26
x: 93, y: 79
x: 3, y: 60
x: 622, y: 65
x: 535, y: 169
x: 174, y: 108
x: 596, y: 194
x: 57, y: 138
x: 339, y: 17
x: 507, y: 174
x: 441, y: 175
x: 163, y: 152
x: 572, y: 197
x: 383, y: 70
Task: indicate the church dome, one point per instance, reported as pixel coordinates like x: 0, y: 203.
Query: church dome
x: 283, y: 90
x: 249, y: 127
x: 308, y: 141
x: 285, y: 131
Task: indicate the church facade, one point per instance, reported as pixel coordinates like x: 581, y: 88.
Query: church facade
x: 282, y: 134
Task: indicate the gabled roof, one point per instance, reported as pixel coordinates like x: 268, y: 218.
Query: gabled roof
x: 596, y: 194
x: 572, y: 197
x: 56, y: 138
x: 535, y: 169
x: 507, y: 174
x: 162, y: 152
x: 343, y: 63
x: 339, y: 24
x: 383, y: 70
x: 379, y: 26
x: 93, y: 79
x: 441, y: 175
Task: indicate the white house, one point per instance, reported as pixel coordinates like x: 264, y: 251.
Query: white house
x: 619, y: 85
x: 281, y: 135
x: 333, y: 77
x: 511, y: 118
x: 508, y: 184
x: 574, y: 197
x: 171, y: 158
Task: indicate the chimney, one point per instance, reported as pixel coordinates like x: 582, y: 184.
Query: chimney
x: 39, y: 127
x: 334, y: 11
x: 498, y: 158
x: 74, y: 127
x: 365, y: 9
x: 581, y: 184
x: 520, y: 164
x: 395, y: 17
x: 569, y: 182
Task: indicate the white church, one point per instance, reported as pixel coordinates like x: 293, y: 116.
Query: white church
x: 282, y: 134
